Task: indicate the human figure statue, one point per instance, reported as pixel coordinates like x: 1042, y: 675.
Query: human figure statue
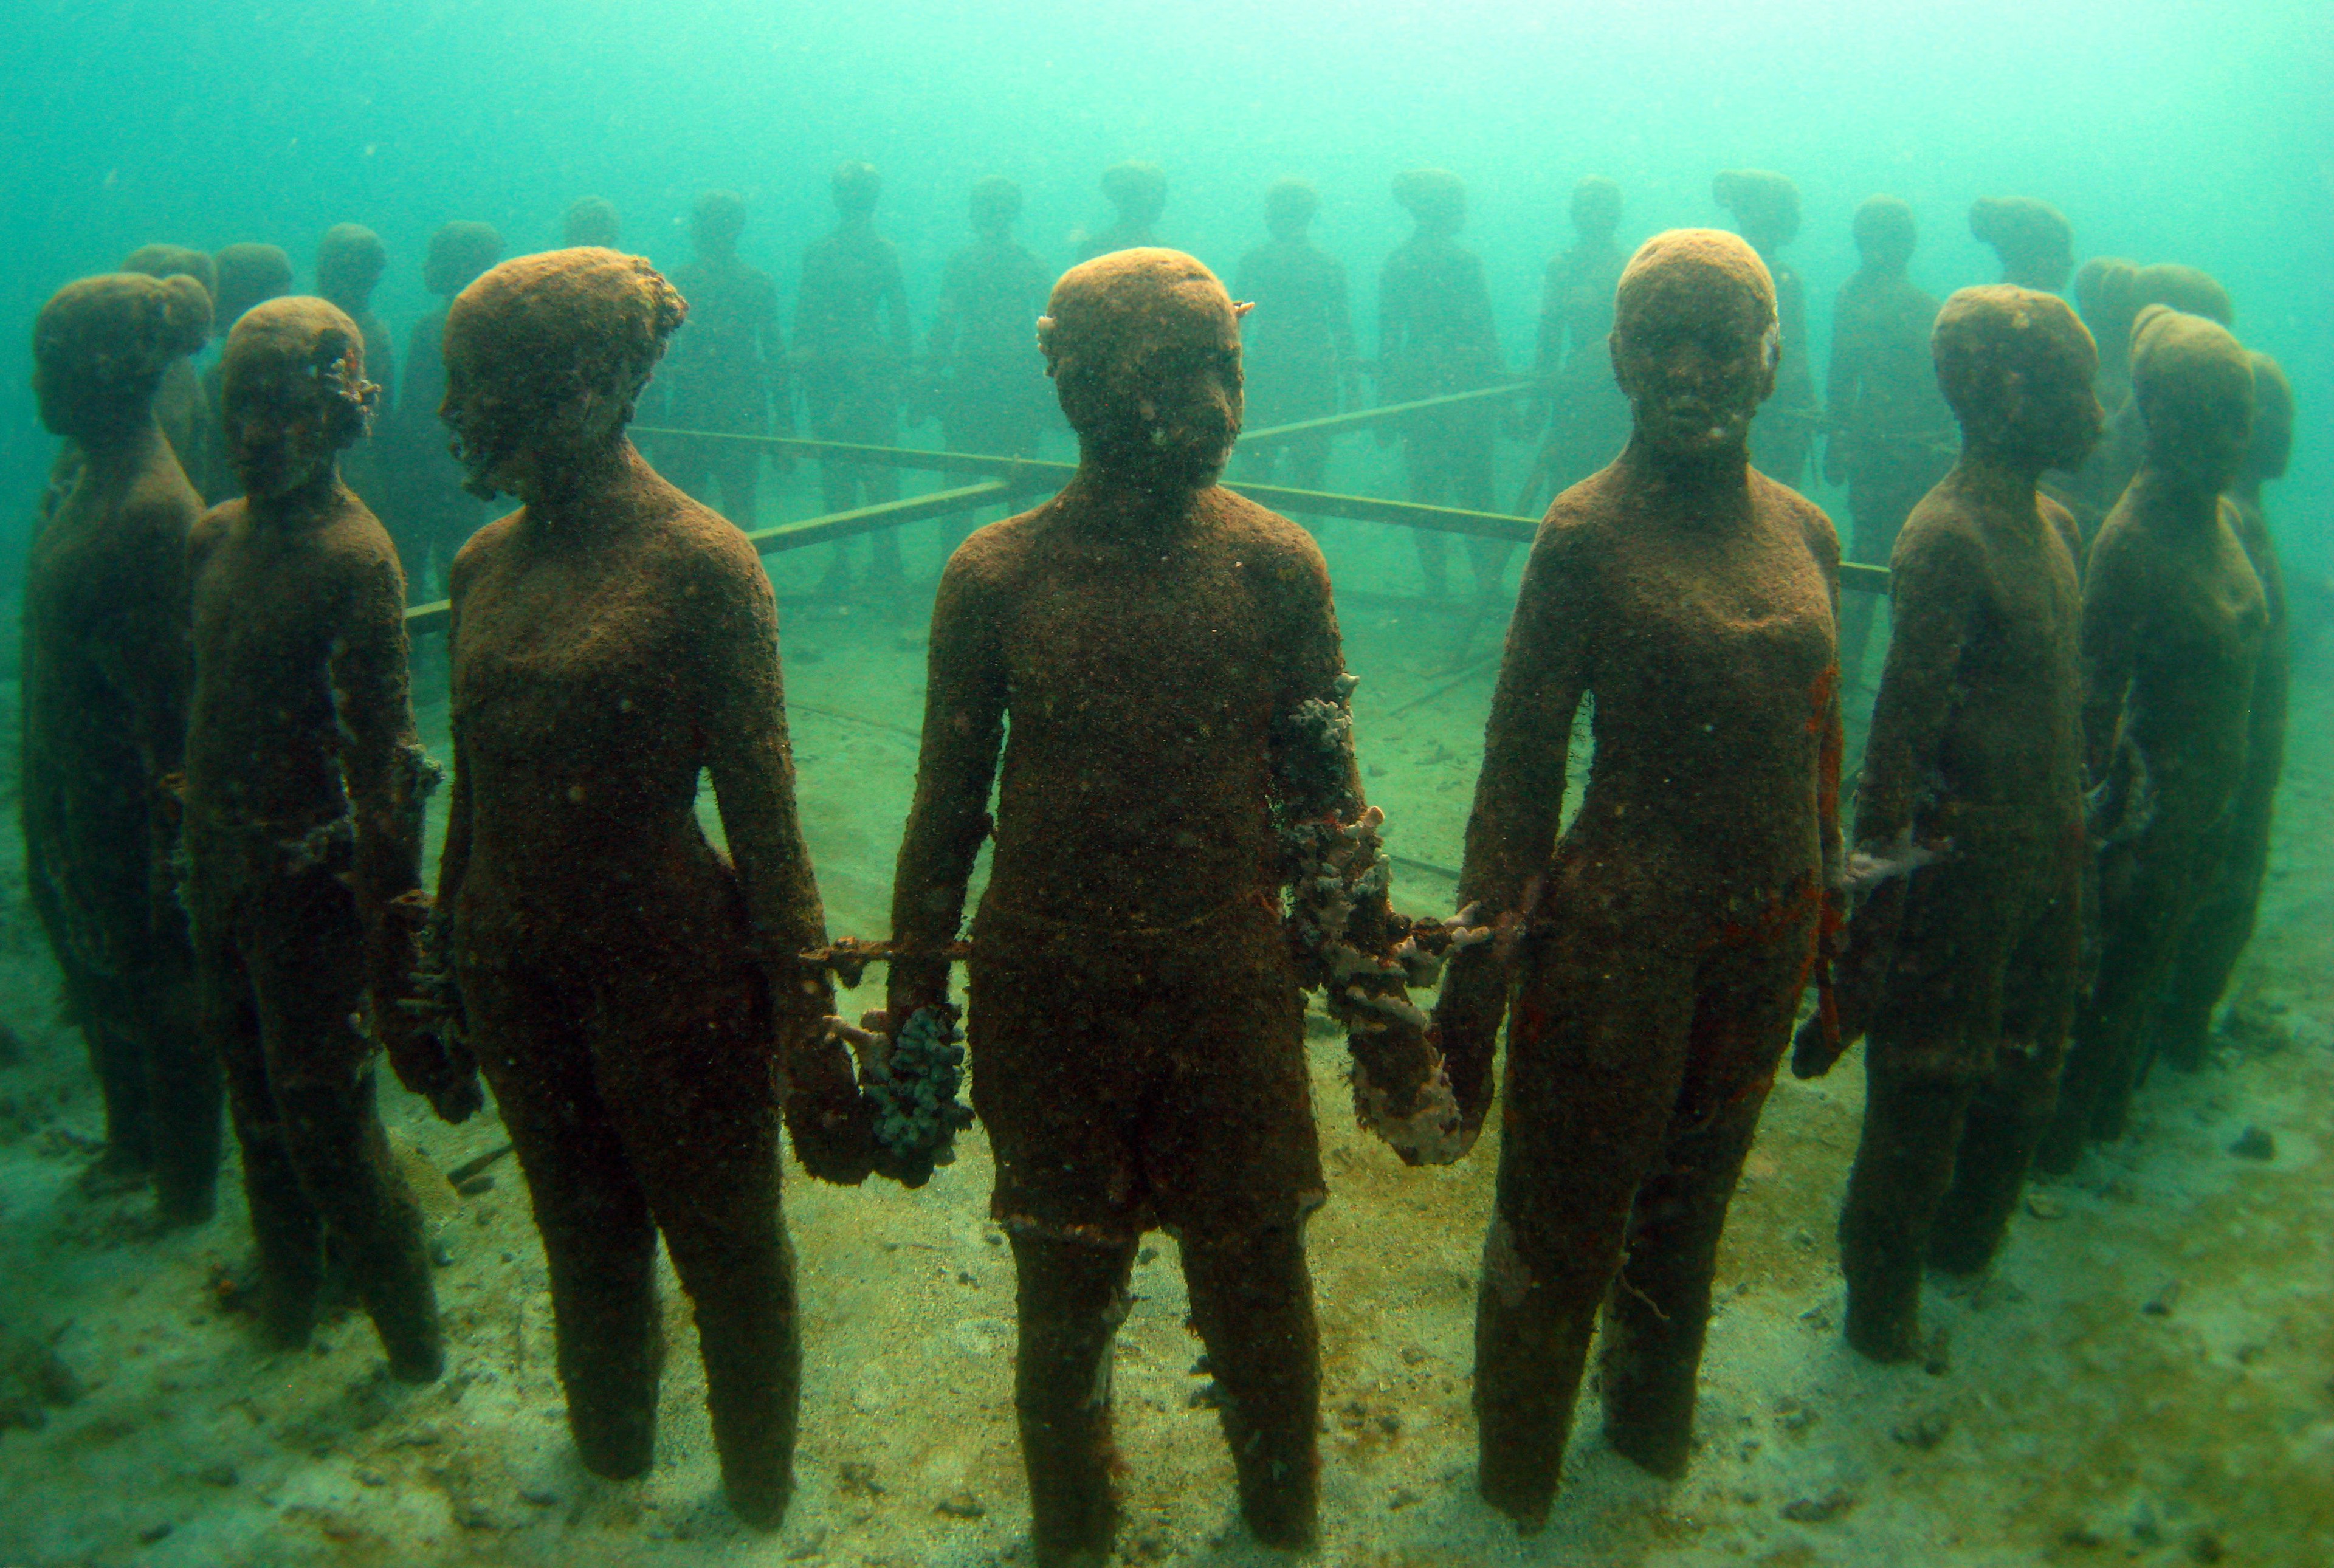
x: 1167, y: 656
x: 179, y: 405
x: 105, y: 674
x: 727, y: 368
x: 1766, y: 208
x: 305, y: 795
x: 1583, y: 417
x: 853, y: 342
x: 2034, y: 240
x: 984, y: 374
x: 2184, y: 288
x: 1666, y: 935
x: 2174, y: 622
x: 432, y: 513
x: 1435, y: 337
x: 591, y: 220
x: 635, y: 998
x: 1890, y: 437
x: 1137, y: 194
x: 349, y: 262
x: 1298, y: 346
x: 1962, y: 962
x: 248, y: 275
x: 2223, y: 922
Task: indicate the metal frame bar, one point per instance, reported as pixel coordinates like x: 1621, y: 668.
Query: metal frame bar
x: 1008, y: 480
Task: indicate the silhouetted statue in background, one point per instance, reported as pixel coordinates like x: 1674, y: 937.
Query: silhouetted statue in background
x: 106, y: 671
x: 2168, y: 283
x: 727, y: 367
x: 590, y: 221
x: 634, y: 998
x: 305, y: 798
x: 1299, y: 344
x: 985, y: 378
x: 179, y: 406
x: 1964, y: 960
x: 852, y: 345
x: 1766, y: 208
x: 1167, y: 657
x: 1435, y: 337
x: 1137, y: 193
x: 349, y: 262
x: 2223, y: 922
x: 248, y: 275
x: 1583, y: 417
x: 2173, y: 624
x: 2034, y: 240
x: 1667, y: 934
x: 432, y: 513
x: 1890, y: 435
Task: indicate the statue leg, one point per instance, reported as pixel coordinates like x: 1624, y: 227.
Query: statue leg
x: 2214, y: 939
x: 594, y: 1217
x: 1659, y: 1309
x: 692, y: 1096
x: 1913, y: 1123
x: 1252, y: 1303
x: 2145, y: 902
x: 306, y: 956
x: 184, y: 1090
x: 117, y: 1060
x: 1071, y: 1297
x: 1595, y: 1056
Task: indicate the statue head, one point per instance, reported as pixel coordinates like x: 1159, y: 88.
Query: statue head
x: 1435, y: 198
x: 995, y: 207
x: 459, y: 253
x: 349, y: 262
x: 716, y: 219
x: 2016, y: 367
x: 1765, y: 204
x: 2034, y: 240
x: 1694, y: 344
x: 1885, y: 233
x: 1137, y: 190
x: 2194, y: 383
x: 1289, y: 207
x: 247, y: 274
x: 1144, y: 346
x: 2272, y: 443
x: 855, y: 187
x: 1596, y: 208
x: 293, y: 393
x: 591, y: 220
x: 101, y: 345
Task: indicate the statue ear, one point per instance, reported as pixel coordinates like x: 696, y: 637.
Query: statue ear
x: 1240, y: 308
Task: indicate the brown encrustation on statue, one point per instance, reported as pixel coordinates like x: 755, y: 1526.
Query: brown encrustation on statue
x: 635, y: 998
x: 1661, y: 943
x: 1167, y: 654
x: 1964, y: 960
x: 304, y: 794
x: 2174, y: 622
x: 106, y: 673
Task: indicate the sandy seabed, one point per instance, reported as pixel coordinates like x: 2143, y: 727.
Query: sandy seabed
x: 2146, y: 1375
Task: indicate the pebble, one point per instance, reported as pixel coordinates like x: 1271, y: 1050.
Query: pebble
x: 538, y: 1496
x: 2161, y: 1303
x: 1820, y: 1510
x: 1924, y: 1432
x: 961, y: 1506
x: 153, y: 1533
x: 2254, y: 1143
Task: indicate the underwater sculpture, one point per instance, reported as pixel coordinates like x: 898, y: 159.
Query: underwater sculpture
x: 591, y: 220
x: 2175, y: 620
x: 727, y: 368
x: 1169, y: 659
x: 179, y: 406
x: 304, y: 794
x: 1137, y: 194
x: 982, y: 373
x: 106, y: 673
x: 2223, y: 920
x: 248, y: 275
x: 1297, y: 346
x: 349, y: 262
x: 852, y: 341
x: 1436, y: 335
x: 2034, y: 240
x: 1963, y: 972
x: 432, y: 512
x: 1586, y: 420
x: 635, y: 999
x: 2123, y: 295
x: 1766, y: 209
x: 1666, y: 937
x: 1889, y: 435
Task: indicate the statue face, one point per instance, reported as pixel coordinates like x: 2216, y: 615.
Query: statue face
x: 1695, y: 364
x: 489, y: 425
x: 1162, y: 408
x: 2055, y: 414
x: 2200, y: 431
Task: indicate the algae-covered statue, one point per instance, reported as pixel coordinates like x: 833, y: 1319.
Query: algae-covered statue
x: 635, y: 998
x: 1585, y: 417
x: 1963, y: 959
x: 1436, y: 336
x: 1889, y: 436
x: 983, y: 373
x: 1168, y: 658
x: 2175, y: 620
x: 304, y: 795
x: 106, y: 674
x: 2223, y: 920
x: 2034, y: 240
x: 1137, y: 194
x: 179, y: 405
x: 248, y: 275
x: 591, y: 221
x: 1299, y: 345
x: 1766, y: 208
x: 1667, y: 936
x: 349, y: 262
